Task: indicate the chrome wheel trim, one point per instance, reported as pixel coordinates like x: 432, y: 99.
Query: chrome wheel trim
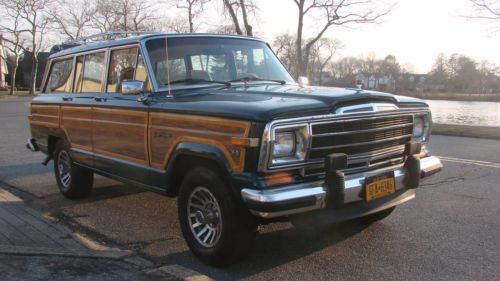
x: 204, y: 217
x: 64, y: 169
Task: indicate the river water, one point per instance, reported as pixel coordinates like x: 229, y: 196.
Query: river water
x: 481, y: 113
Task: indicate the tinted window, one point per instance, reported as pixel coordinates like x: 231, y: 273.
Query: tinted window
x: 93, y: 68
x: 59, y: 78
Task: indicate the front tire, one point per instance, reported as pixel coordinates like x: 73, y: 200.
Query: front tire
x: 74, y: 182
x: 217, y: 229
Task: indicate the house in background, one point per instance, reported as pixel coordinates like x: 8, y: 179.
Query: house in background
x: 376, y: 82
x: 416, y: 83
x: 3, y: 65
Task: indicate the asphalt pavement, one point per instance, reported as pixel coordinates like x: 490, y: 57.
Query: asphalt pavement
x: 449, y: 232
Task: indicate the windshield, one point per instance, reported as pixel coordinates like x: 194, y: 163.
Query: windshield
x: 211, y: 59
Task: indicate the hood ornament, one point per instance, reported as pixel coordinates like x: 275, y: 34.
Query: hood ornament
x: 359, y: 88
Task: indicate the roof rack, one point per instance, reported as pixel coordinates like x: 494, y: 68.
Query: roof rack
x: 106, y: 36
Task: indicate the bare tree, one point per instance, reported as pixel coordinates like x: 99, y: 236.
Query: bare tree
x: 32, y: 16
x: 73, y: 18
x: 105, y: 18
x: 335, y: 13
x: 123, y: 15
x: 14, y: 36
x: 223, y: 29
x: 486, y: 10
x: 284, y: 47
x: 176, y: 25
x: 233, y: 7
x: 193, y: 8
x: 321, y: 54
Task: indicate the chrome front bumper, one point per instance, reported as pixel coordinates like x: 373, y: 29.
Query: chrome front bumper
x: 300, y: 198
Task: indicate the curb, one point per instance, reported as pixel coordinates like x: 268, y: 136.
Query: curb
x: 39, y: 251
x: 484, y: 132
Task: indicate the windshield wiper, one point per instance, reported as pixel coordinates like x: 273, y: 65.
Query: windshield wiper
x: 249, y: 79
x: 197, y: 81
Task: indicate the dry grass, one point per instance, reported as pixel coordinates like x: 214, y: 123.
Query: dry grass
x: 4, y: 94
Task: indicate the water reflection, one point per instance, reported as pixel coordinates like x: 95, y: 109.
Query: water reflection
x: 465, y: 112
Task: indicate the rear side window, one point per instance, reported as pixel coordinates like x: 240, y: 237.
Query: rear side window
x: 59, y: 78
x: 90, y: 79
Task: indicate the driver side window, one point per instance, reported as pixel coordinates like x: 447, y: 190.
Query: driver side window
x: 125, y: 65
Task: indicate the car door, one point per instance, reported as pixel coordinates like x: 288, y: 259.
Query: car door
x: 75, y: 108
x: 120, y: 131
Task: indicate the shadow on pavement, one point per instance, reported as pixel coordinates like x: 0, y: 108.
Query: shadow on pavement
x: 273, y: 249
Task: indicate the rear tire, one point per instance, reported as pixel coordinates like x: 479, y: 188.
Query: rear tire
x: 74, y: 182
x: 217, y: 229
x: 369, y: 219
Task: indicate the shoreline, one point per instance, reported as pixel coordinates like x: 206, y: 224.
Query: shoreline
x: 484, y: 132
x: 452, y: 96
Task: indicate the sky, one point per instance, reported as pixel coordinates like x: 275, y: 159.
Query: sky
x: 416, y: 31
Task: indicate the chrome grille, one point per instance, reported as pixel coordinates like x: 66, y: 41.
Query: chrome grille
x: 365, y: 141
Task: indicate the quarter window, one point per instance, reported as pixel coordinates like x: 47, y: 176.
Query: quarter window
x: 59, y: 78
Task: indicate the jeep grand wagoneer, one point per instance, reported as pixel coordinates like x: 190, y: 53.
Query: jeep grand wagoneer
x: 219, y: 123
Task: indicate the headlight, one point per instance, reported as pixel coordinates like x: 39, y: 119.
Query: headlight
x: 418, y: 127
x: 421, y: 127
x: 289, y: 145
x: 284, y: 144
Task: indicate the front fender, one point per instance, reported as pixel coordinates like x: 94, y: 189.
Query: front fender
x: 201, y: 150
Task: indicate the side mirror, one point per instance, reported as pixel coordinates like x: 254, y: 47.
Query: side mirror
x: 303, y: 81
x: 133, y: 87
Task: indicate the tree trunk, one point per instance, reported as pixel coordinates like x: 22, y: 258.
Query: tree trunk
x: 233, y: 16
x: 300, y: 25
x: 13, y: 80
x: 34, y: 70
x: 13, y: 74
x: 248, y: 27
x: 190, y: 17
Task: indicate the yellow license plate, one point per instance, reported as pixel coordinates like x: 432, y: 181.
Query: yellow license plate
x: 379, y: 187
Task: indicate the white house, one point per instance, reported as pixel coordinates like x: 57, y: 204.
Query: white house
x: 3, y: 64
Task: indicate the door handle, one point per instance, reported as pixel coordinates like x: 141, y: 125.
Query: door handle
x: 67, y: 99
x: 99, y: 99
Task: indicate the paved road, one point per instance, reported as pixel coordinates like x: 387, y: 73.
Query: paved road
x: 449, y: 232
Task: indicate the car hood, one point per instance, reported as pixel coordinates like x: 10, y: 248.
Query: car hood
x: 268, y: 102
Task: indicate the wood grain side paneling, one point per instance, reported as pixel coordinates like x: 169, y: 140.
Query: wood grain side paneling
x: 76, y: 121
x: 167, y: 130
x: 121, y: 133
x: 44, y: 115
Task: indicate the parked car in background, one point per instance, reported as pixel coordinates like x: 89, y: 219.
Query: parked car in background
x: 219, y: 123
